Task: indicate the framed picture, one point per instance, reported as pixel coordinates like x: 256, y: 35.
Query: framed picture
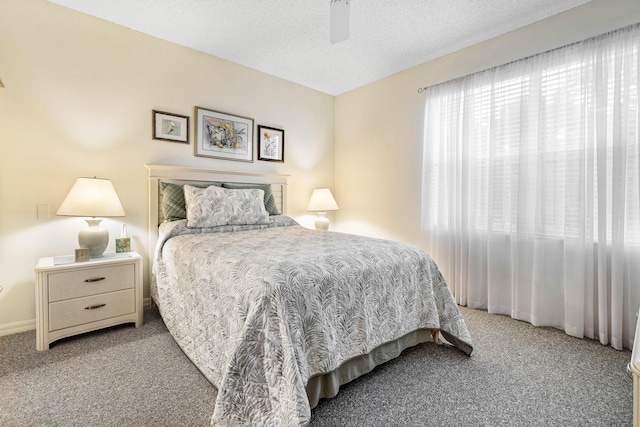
x: 223, y: 136
x: 170, y: 127
x: 270, y: 144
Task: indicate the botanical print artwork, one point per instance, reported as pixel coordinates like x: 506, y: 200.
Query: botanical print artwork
x: 170, y: 127
x: 225, y: 135
x: 270, y: 144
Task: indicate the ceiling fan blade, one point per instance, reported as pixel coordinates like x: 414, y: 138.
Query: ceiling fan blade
x: 339, y: 20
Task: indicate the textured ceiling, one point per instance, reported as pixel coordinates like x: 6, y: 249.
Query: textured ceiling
x: 290, y: 38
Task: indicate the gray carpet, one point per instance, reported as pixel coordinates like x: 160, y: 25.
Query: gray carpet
x: 519, y: 375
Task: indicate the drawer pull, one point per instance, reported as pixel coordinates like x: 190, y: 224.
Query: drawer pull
x: 93, y: 307
x: 97, y: 279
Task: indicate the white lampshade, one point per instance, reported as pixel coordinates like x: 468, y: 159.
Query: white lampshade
x: 92, y: 197
x: 321, y: 201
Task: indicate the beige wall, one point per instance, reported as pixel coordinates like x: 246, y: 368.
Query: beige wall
x: 77, y: 102
x: 379, y: 127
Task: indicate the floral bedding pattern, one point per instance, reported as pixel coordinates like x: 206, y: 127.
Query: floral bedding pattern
x: 215, y: 206
x: 261, y: 309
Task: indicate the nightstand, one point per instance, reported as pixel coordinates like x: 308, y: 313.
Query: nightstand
x: 76, y: 297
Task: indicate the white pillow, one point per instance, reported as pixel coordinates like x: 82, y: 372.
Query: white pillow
x: 214, y: 206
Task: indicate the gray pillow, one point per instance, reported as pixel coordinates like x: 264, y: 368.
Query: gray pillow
x: 269, y: 200
x: 173, y: 204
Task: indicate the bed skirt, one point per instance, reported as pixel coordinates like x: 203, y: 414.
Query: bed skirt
x: 327, y: 385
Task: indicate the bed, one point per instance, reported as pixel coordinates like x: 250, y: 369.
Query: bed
x: 277, y: 316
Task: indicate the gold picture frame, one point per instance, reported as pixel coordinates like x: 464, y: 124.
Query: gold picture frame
x: 223, y: 136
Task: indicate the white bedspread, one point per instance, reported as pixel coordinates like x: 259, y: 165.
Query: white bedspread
x: 260, y: 311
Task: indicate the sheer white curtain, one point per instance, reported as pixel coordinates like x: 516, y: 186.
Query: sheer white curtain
x: 531, y: 199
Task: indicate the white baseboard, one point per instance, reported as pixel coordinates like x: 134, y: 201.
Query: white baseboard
x: 14, y: 328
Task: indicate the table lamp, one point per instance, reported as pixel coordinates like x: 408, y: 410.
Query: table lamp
x: 92, y: 197
x: 321, y: 201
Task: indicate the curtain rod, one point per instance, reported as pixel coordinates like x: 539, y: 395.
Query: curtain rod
x: 589, y: 39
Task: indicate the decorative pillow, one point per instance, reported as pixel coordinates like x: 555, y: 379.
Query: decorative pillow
x: 173, y: 204
x: 269, y: 200
x: 214, y: 206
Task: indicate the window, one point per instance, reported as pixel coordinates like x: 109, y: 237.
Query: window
x: 528, y: 168
x: 546, y: 146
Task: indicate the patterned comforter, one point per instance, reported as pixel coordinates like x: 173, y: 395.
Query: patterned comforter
x: 261, y: 309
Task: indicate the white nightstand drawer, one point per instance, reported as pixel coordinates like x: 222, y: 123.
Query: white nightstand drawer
x: 78, y: 311
x: 90, y: 281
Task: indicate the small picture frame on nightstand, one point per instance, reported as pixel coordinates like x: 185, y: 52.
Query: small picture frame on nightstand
x: 82, y: 254
x: 123, y: 244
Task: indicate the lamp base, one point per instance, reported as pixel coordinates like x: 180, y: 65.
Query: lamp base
x: 94, y: 238
x: 322, y: 222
